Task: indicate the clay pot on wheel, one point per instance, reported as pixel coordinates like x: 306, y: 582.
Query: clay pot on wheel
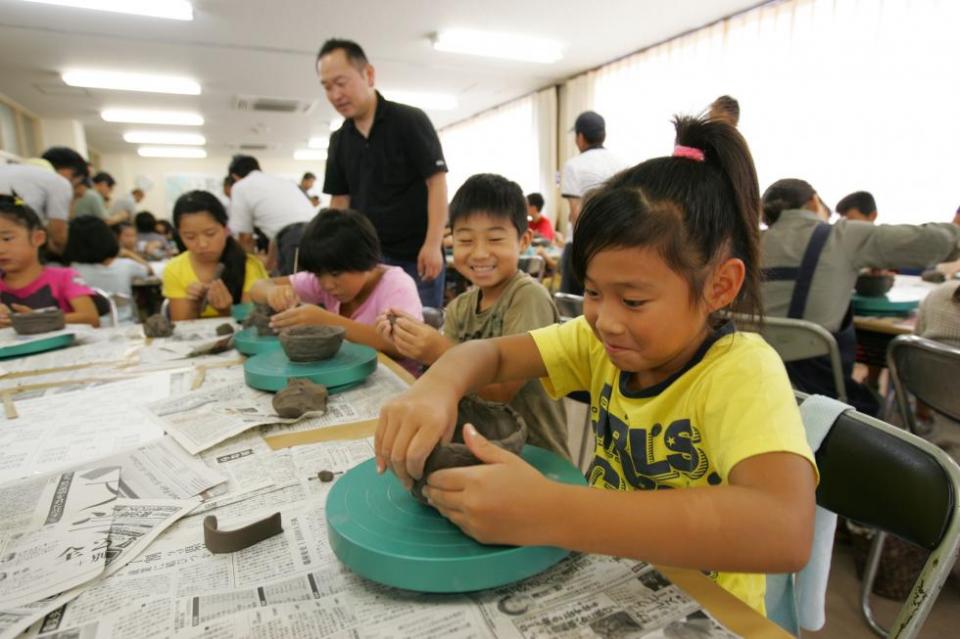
x: 874, y: 285
x: 499, y: 423
x: 311, y: 343
x: 42, y: 320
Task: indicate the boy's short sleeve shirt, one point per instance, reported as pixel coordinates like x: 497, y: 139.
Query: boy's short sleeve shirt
x: 734, y: 401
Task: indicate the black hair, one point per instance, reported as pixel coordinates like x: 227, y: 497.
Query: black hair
x: 308, y: 176
x: 694, y: 213
x: 337, y: 241
x: 785, y: 195
x: 103, y: 176
x: 229, y: 181
x: 494, y: 195
x: 145, y: 222
x: 242, y: 165
x: 351, y: 49
x: 167, y: 227
x: 861, y: 200
x: 535, y: 200
x: 233, y: 258
x: 62, y: 157
x: 14, y: 209
x: 90, y: 241
x: 729, y: 106
x: 120, y: 227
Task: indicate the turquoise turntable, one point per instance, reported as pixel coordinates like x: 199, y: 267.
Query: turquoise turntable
x: 270, y: 369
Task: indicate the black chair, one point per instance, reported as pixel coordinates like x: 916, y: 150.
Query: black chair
x: 569, y: 305
x: 928, y: 370
x: 888, y: 479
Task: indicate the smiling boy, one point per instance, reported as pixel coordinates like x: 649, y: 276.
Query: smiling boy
x: 488, y: 216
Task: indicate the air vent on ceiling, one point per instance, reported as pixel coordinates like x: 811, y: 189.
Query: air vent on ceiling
x: 254, y: 146
x: 62, y: 90
x: 272, y: 105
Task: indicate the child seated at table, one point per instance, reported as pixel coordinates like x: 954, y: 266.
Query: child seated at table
x: 859, y: 206
x: 92, y: 251
x: 27, y: 284
x: 189, y: 278
x: 489, y: 220
x: 341, y: 282
x: 540, y: 224
x: 810, y: 269
x: 679, y: 399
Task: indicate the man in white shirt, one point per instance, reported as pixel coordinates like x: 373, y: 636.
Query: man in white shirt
x: 46, y: 185
x: 274, y: 205
x: 593, y: 166
x: 125, y: 207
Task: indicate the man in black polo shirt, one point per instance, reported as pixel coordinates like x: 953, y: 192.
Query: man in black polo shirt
x: 386, y: 162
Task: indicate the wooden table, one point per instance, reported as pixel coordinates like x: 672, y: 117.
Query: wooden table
x: 730, y: 611
x: 874, y: 334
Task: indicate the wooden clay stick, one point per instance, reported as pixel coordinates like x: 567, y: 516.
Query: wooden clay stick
x: 8, y: 407
x: 221, y: 541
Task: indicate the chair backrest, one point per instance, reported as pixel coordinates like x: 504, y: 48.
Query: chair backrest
x: 927, y: 369
x: 165, y: 307
x: 795, y: 339
x: 569, y: 305
x: 106, y: 306
x: 433, y: 317
x: 887, y: 478
x: 533, y: 265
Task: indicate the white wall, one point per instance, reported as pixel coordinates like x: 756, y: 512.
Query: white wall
x: 67, y: 133
x: 126, y: 168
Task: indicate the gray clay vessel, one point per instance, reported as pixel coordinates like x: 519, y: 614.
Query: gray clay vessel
x: 157, y: 326
x: 299, y: 397
x: 311, y: 343
x: 41, y: 320
x: 259, y: 318
x: 499, y: 423
x: 874, y: 285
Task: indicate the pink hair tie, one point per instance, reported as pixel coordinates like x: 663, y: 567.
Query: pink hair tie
x: 680, y: 151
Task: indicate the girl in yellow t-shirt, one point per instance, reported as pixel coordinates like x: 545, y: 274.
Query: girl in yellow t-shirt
x: 678, y: 398
x: 214, y: 267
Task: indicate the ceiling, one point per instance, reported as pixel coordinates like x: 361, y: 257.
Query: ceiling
x: 267, y: 49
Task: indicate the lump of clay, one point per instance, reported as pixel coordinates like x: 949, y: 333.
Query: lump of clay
x: 933, y: 275
x: 157, y: 326
x: 499, y: 423
x: 225, y: 329
x: 299, y: 397
x: 259, y: 318
x: 42, y: 320
x: 311, y: 343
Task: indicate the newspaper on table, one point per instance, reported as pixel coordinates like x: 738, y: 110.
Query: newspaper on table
x: 292, y: 585
x: 61, y: 431
x: 247, y: 462
x: 162, y: 469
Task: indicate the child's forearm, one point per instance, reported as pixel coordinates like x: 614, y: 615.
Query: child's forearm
x: 259, y: 291
x: 82, y: 318
x: 464, y: 368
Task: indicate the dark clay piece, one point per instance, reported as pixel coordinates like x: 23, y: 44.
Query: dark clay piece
x: 157, y: 326
x: 499, y: 423
x: 873, y: 285
x: 311, y: 343
x: 221, y: 541
x: 392, y: 318
x: 225, y: 329
x: 299, y: 397
x: 933, y: 275
x: 326, y: 476
x: 259, y: 318
x: 42, y: 320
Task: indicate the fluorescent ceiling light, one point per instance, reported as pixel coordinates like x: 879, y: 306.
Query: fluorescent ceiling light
x: 319, y: 142
x: 425, y: 101
x: 498, y: 45
x: 120, y: 81
x: 336, y: 123
x: 143, y: 116
x: 310, y: 154
x: 163, y: 137
x: 171, y: 152
x: 172, y: 9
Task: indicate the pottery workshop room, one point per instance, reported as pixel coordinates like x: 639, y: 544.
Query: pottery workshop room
x: 633, y: 319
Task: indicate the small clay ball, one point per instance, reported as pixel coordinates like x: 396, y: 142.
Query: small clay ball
x: 325, y: 476
x: 157, y: 326
x: 225, y: 329
x: 299, y: 397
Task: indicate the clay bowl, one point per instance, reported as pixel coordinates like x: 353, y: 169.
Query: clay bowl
x: 43, y: 320
x: 499, y: 423
x: 874, y: 285
x: 311, y: 343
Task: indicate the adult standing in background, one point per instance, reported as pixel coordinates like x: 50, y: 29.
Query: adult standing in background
x: 859, y: 206
x: 46, y: 185
x: 307, y: 182
x: 726, y: 108
x: 386, y: 162
x: 593, y: 166
x: 124, y: 208
x: 274, y: 205
x: 103, y: 184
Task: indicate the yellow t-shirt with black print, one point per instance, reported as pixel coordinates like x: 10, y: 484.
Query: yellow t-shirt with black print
x: 178, y: 275
x: 731, y: 401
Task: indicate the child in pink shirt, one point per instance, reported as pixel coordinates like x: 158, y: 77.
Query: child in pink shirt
x: 342, y: 282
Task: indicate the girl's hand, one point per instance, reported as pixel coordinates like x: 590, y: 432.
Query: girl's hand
x: 196, y: 291
x: 383, y: 326
x: 282, y: 297
x: 501, y: 501
x: 417, y: 340
x: 218, y: 297
x: 299, y: 316
x: 5, y: 313
x: 410, y: 426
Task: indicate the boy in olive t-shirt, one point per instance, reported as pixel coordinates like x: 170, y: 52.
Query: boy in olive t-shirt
x: 488, y: 216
